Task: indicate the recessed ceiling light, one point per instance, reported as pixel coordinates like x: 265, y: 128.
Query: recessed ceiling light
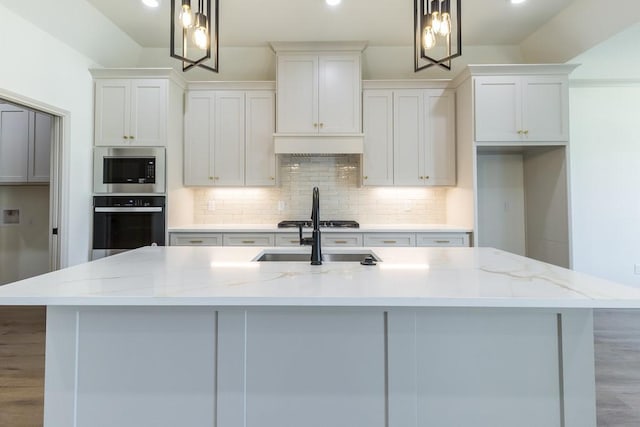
x: 151, y: 3
x: 517, y: 1
x: 333, y: 2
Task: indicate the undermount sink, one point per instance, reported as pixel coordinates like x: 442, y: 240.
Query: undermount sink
x: 326, y: 257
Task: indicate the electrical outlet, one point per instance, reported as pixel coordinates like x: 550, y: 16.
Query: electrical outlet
x: 408, y: 204
x: 281, y: 205
x: 211, y: 205
x: 636, y: 269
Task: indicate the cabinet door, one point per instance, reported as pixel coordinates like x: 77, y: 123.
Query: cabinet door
x: 442, y: 239
x: 339, y: 94
x: 260, y: 157
x: 297, y: 86
x: 198, y: 139
x: 112, y: 112
x: 14, y: 143
x: 408, y: 146
x: 498, y: 108
x: 377, y: 165
x: 40, y: 148
x: 228, y: 146
x: 148, y: 112
x: 545, y: 114
x: 440, y: 142
x: 341, y: 239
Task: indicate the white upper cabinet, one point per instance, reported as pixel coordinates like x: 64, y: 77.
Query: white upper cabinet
x: 409, y: 137
x: 521, y: 108
x: 377, y: 124
x: 260, y: 159
x: 131, y: 112
x: 40, y: 148
x: 25, y: 145
x: 214, y: 138
x: 318, y: 93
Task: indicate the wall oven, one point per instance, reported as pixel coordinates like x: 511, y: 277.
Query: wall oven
x: 122, y: 223
x: 129, y: 170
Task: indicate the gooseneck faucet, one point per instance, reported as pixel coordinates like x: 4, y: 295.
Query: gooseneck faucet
x: 314, y: 241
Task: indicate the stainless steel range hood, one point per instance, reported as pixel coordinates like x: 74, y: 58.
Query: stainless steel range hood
x: 347, y: 143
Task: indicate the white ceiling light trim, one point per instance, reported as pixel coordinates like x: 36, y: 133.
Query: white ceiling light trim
x: 333, y: 2
x: 151, y: 3
x: 517, y: 1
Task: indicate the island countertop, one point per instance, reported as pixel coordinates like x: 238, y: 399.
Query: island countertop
x: 406, y: 277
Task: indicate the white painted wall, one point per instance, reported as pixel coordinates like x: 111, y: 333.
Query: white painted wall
x: 605, y: 180
x: 40, y: 67
x: 378, y: 62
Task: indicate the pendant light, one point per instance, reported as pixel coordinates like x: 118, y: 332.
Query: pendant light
x: 438, y: 33
x: 195, y: 29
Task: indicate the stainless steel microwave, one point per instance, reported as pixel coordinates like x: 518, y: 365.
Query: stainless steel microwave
x: 129, y: 170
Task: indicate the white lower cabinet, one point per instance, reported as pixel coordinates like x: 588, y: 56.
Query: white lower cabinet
x: 288, y: 239
x: 389, y: 239
x: 195, y: 239
x: 442, y: 239
x: 341, y: 239
x: 248, y: 239
x: 328, y: 239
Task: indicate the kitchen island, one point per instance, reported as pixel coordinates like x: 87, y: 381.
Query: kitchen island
x: 197, y: 336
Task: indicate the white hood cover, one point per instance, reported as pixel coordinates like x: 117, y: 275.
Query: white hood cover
x: 318, y: 144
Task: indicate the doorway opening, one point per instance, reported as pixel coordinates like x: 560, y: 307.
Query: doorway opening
x: 31, y: 198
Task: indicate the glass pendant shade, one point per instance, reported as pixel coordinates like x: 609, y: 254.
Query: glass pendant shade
x: 186, y: 16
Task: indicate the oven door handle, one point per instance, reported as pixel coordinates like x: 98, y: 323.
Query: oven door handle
x: 126, y: 210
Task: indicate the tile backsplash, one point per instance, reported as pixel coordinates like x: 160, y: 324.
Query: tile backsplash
x: 341, y: 197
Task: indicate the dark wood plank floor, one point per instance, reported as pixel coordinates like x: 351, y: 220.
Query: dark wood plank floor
x: 22, y: 339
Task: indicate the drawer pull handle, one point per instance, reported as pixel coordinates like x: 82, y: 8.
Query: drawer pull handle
x: 443, y: 241
x: 247, y: 242
x: 195, y: 241
x: 342, y: 242
x: 294, y: 241
x: 389, y: 241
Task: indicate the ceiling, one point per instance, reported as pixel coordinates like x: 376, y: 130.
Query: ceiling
x: 380, y: 22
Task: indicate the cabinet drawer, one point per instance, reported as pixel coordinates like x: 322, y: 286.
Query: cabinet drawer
x: 342, y: 239
x: 288, y: 239
x: 235, y: 239
x: 442, y: 239
x: 194, y: 239
x: 390, y: 239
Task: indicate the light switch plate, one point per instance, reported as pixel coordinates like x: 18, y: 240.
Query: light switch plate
x: 636, y: 269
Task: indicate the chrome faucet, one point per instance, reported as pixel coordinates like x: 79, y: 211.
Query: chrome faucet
x: 314, y: 240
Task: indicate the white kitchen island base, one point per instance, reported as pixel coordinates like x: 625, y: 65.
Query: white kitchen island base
x: 204, y: 366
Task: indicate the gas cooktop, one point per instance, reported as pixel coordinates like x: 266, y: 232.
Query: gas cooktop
x: 327, y: 224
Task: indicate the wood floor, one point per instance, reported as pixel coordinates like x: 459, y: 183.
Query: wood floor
x: 22, y: 338
x: 22, y: 331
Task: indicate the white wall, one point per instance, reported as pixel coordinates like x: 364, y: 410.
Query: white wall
x: 378, y: 62
x: 36, y: 65
x: 605, y: 180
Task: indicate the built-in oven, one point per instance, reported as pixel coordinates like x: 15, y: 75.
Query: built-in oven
x: 129, y: 170
x: 122, y: 223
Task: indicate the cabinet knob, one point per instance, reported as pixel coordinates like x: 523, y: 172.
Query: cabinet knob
x: 422, y: 177
x: 210, y: 177
x: 131, y: 137
x: 426, y: 177
x: 125, y: 137
x: 520, y: 132
x: 216, y: 178
x: 321, y: 124
x: 365, y: 177
x: 315, y: 125
x: 526, y: 132
x: 272, y: 178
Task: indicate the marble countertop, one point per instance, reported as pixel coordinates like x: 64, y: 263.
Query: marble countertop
x: 406, y: 277
x: 364, y: 228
